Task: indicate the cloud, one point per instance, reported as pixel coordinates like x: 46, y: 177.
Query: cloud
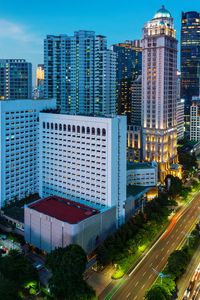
x: 18, y: 32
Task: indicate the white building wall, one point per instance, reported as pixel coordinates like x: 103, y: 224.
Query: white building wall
x: 48, y: 233
x: 88, y: 166
x: 143, y: 177
x: 195, y: 120
x: 19, y: 128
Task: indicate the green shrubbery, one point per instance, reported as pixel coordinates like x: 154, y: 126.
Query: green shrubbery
x: 127, y: 244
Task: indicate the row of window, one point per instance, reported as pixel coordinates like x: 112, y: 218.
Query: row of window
x: 73, y: 128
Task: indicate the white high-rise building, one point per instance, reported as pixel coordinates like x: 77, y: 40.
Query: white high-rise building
x: 19, y: 136
x: 159, y: 91
x: 15, y: 79
x: 80, y: 72
x: 180, y: 119
x: 84, y: 159
x: 195, y: 119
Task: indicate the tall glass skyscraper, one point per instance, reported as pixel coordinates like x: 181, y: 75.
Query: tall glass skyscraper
x: 15, y: 79
x: 129, y: 66
x: 190, y: 57
x: 80, y: 72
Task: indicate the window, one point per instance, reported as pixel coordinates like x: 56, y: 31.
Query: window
x: 69, y: 128
x: 98, y: 131
x: 83, y: 129
x: 43, y: 124
x: 78, y: 129
x: 60, y: 127
x: 103, y: 132
x: 56, y: 126
x: 93, y: 130
x: 88, y: 130
x: 73, y: 129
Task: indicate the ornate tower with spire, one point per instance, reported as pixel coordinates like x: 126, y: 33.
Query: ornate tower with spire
x: 159, y: 88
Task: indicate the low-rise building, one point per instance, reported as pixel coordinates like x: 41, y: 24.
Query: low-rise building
x: 57, y: 222
x: 142, y: 174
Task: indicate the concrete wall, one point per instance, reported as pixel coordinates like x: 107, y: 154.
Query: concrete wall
x: 47, y: 233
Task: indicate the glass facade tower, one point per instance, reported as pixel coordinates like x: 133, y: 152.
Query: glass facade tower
x: 190, y: 57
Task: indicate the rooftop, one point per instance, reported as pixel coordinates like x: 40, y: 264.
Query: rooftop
x: 64, y: 209
x: 144, y: 165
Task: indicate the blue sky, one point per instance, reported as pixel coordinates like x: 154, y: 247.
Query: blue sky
x: 24, y: 23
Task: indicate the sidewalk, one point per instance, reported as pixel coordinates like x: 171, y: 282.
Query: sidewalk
x: 100, y: 280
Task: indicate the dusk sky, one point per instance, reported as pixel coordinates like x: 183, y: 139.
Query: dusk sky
x: 24, y: 24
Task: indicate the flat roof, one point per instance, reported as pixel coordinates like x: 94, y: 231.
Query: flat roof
x: 134, y: 166
x: 64, y: 209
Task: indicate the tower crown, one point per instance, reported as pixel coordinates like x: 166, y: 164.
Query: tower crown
x: 162, y: 13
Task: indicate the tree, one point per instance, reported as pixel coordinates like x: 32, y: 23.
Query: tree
x: 8, y: 289
x: 157, y: 292
x: 177, y: 262
x: 17, y: 268
x: 68, y: 265
x: 175, y: 185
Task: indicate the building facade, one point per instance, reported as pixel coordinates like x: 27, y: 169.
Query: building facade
x: 159, y: 91
x: 190, y: 57
x: 57, y: 222
x: 180, y: 119
x: 80, y: 73
x: 134, y: 146
x: 129, y: 67
x: 195, y: 119
x: 15, y: 79
x: 136, y: 101
x: 19, y: 132
x: 83, y: 158
x: 142, y: 174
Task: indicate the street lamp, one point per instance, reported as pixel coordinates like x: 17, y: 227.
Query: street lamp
x: 188, y: 236
x: 161, y: 275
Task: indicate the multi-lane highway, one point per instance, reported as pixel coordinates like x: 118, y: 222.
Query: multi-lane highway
x: 142, y: 277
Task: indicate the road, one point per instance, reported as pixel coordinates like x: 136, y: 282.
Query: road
x: 187, y: 276
x: 142, y: 277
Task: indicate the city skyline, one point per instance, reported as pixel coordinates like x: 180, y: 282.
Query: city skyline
x: 24, y: 30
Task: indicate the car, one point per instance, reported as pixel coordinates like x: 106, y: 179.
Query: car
x: 38, y: 266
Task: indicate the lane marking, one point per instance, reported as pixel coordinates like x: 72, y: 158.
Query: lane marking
x: 135, y: 298
x: 150, y: 276
x: 128, y: 295
x: 167, y: 242
x: 143, y: 286
x: 144, y: 273
x: 136, y: 283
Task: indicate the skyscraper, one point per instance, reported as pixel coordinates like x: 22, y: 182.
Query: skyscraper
x: 190, y: 57
x: 129, y: 66
x: 159, y: 91
x: 15, y: 79
x: 136, y: 101
x: 80, y: 72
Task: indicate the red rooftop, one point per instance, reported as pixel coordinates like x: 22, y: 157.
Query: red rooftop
x: 63, y: 209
